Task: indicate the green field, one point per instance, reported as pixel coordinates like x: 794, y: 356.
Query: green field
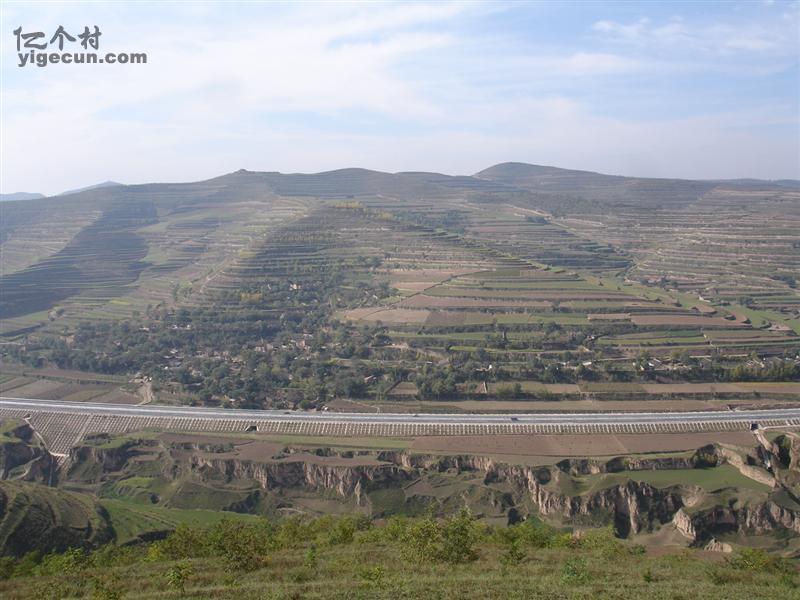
x: 711, y: 479
x: 131, y: 520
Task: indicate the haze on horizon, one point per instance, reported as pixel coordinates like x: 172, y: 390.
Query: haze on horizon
x: 689, y: 90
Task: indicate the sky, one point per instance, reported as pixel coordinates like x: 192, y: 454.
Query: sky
x: 703, y: 90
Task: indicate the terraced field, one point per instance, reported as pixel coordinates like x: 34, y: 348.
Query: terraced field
x: 731, y: 246
x: 359, y: 284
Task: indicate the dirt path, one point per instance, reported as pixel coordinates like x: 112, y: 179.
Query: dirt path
x: 146, y: 392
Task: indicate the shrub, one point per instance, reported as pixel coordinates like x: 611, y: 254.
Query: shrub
x: 452, y: 541
x: 460, y: 535
x: 537, y: 534
x: 7, y: 565
x: 184, y: 542
x: 312, y: 560
x: 513, y: 553
x: 294, y: 531
x: 242, y: 546
x: 396, y: 528
x: 758, y: 561
x: 373, y: 575
x: 602, y: 541
x: 27, y: 564
x: 68, y: 562
x: 178, y: 575
x: 106, y: 587
x: 343, y: 529
x: 574, y: 572
x: 421, y: 541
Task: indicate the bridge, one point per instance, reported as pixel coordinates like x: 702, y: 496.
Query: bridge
x: 63, y: 424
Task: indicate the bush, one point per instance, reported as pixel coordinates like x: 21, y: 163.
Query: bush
x: 574, y: 572
x: 7, y: 565
x: 68, y: 562
x: 535, y: 533
x: 107, y: 587
x: 373, y: 575
x: 396, y: 528
x: 513, y: 553
x: 460, y: 535
x: 422, y: 540
x: 344, y: 529
x: 184, y: 542
x: 242, y: 546
x: 452, y: 541
x: 178, y: 575
x: 602, y: 541
x: 311, y: 561
x: 294, y: 531
x: 757, y: 560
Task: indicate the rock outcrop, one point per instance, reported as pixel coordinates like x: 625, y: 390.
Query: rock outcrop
x: 97, y: 458
x: 23, y: 460
x: 553, y: 491
x: 345, y: 481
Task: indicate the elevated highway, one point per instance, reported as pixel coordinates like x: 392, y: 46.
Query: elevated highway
x: 62, y: 424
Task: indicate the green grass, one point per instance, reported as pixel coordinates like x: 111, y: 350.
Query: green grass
x: 710, y: 479
x: 131, y: 520
x: 317, y: 561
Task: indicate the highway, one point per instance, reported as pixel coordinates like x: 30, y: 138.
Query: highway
x: 611, y: 418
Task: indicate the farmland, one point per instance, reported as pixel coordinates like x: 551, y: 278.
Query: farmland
x: 413, y: 291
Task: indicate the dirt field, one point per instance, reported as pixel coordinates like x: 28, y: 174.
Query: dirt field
x: 691, y: 388
x: 54, y: 372
x: 14, y: 383
x: 609, y: 317
x: 388, y: 315
x: 683, y: 320
x: 116, y: 397
x: 36, y: 389
x: 423, y: 301
x: 442, y: 317
x: 565, y: 406
x: 413, y: 286
x: 578, y: 445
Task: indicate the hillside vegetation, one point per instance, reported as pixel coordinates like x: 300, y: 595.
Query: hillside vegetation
x: 519, y: 283
x: 349, y: 557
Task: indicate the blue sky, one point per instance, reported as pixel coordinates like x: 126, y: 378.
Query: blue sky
x: 697, y: 90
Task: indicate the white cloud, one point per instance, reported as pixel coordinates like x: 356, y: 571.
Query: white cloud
x: 722, y: 38
x: 395, y: 86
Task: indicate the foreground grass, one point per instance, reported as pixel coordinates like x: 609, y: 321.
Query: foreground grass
x: 423, y: 558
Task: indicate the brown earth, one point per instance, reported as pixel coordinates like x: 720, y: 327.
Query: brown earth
x: 577, y: 445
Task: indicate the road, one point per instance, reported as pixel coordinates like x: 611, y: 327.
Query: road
x: 705, y: 417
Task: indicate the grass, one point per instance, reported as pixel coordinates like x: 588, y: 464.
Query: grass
x: 371, y: 564
x: 343, y: 443
x: 132, y: 520
x: 710, y: 479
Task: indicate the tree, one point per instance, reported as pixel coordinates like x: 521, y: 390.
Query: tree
x: 178, y: 575
x: 459, y: 536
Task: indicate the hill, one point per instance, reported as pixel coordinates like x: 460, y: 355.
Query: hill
x: 103, y: 184
x: 608, y: 189
x: 35, y: 517
x: 20, y: 196
x: 348, y: 557
x: 567, y: 280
